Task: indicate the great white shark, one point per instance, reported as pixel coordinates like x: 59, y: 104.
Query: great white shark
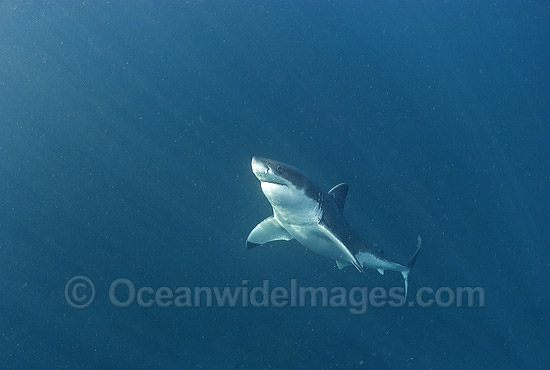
x: 302, y: 211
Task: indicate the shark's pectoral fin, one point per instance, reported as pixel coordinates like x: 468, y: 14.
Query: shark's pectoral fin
x: 381, y: 271
x: 266, y: 231
x: 340, y: 192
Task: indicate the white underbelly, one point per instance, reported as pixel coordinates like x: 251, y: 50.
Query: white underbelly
x: 314, y: 238
x: 367, y: 259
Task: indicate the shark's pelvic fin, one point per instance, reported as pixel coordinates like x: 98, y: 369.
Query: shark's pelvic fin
x: 340, y: 192
x: 341, y: 264
x: 266, y: 231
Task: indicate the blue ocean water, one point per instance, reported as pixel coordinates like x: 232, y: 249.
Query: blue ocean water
x: 126, y: 133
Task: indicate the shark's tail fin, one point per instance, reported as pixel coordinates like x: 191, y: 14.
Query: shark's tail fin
x: 410, y: 264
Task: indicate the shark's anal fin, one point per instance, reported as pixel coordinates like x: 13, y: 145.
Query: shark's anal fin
x: 266, y: 231
x: 340, y: 192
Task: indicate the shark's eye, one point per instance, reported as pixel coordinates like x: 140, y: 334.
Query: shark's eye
x: 279, y: 169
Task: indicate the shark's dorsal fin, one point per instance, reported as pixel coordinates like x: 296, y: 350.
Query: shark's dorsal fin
x: 340, y: 192
x: 266, y: 231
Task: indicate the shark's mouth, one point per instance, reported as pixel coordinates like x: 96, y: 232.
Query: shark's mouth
x: 275, y: 183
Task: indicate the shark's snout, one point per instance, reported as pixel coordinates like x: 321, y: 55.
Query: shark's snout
x: 270, y: 171
x: 259, y: 167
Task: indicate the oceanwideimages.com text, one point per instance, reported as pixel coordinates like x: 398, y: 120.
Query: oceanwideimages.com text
x: 80, y: 292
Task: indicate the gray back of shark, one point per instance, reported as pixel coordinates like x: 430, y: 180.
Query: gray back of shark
x: 302, y: 211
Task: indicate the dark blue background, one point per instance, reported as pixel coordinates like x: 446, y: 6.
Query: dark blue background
x: 126, y: 132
